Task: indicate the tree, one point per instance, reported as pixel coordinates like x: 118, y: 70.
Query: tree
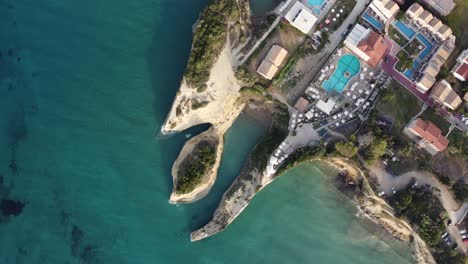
x: 377, y: 149
x: 346, y: 149
x: 400, y: 15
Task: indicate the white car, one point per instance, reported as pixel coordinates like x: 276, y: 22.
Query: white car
x: 463, y: 231
x: 444, y: 235
x: 393, y: 190
x: 382, y: 193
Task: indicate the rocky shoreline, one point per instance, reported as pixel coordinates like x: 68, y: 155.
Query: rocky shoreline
x: 351, y: 180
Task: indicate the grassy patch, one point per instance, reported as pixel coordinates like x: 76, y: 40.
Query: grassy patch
x: 398, y: 104
x: 458, y: 20
x: 396, y: 36
x: 413, y: 49
x: 404, y: 61
x: 458, y: 143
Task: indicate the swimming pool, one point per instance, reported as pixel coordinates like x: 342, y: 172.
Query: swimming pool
x: 315, y: 2
x: 346, y: 68
x: 409, y: 72
x: 407, y: 31
x: 426, y: 43
x: 374, y: 22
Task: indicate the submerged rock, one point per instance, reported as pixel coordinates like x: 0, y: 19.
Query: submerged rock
x: 11, y: 207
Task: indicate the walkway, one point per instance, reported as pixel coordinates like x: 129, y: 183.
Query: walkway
x: 388, y: 65
x: 265, y: 35
x: 312, y: 64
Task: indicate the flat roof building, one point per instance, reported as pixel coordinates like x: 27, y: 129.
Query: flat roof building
x: 426, y: 135
x: 301, y: 17
x: 272, y: 61
x: 445, y: 95
x: 367, y: 44
x: 326, y: 107
x: 301, y: 104
x: 384, y: 9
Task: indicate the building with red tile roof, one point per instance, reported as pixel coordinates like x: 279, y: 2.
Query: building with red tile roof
x: 460, y: 71
x: 367, y: 44
x: 427, y: 135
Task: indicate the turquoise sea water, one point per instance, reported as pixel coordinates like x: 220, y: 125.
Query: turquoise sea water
x: 84, y: 87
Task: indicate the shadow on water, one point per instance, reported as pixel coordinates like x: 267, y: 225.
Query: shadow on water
x: 166, y: 61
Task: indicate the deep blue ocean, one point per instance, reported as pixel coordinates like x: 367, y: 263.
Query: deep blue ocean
x: 85, y: 175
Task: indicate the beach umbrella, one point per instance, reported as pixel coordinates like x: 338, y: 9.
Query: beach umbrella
x: 334, y: 19
x: 348, y: 93
x: 333, y: 10
x: 371, y: 73
x: 372, y: 85
x: 354, y: 96
x: 316, y: 115
x: 335, y: 117
x: 339, y: 115
x: 365, y: 69
x: 367, y: 92
x: 337, y: 124
x: 343, y: 121
x: 337, y: 15
x: 360, y: 90
x: 350, y: 115
x: 346, y: 112
x: 364, y: 106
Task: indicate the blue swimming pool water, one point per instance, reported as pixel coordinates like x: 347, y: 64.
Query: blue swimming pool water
x: 407, y: 31
x: 374, y: 22
x: 315, y: 2
x: 409, y: 72
x: 428, y: 47
x: 346, y: 64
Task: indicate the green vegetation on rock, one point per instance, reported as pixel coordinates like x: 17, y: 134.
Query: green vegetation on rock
x: 194, y: 168
x: 346, y: 149
x: 208, y: 41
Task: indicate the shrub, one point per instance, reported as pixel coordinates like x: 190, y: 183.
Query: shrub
x: 196, y: 167
x: 346, y: 149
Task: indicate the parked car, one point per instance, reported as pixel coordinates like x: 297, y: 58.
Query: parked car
x: 415, y: 184
x: 393, y: 190
x: 464, y: 236
x: 444, y: 235
x: 463, y: 231
x: 382, y: 193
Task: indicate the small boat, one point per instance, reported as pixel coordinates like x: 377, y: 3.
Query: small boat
x: 188, y: 136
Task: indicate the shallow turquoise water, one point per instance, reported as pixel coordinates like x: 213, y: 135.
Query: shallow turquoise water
x: 84, y: 87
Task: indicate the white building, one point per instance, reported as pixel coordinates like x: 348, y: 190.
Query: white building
x: 357, y: 34
x: 301, y: 17
x: 326, y: 107
x: 385, y: 9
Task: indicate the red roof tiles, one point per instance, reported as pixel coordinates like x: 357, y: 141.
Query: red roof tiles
x: 430, y: 132
x: 374, y: 47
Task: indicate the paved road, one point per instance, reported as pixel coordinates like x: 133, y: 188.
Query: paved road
x: 314, y: 63
x: 265, y: 35
x: 387, y: 181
